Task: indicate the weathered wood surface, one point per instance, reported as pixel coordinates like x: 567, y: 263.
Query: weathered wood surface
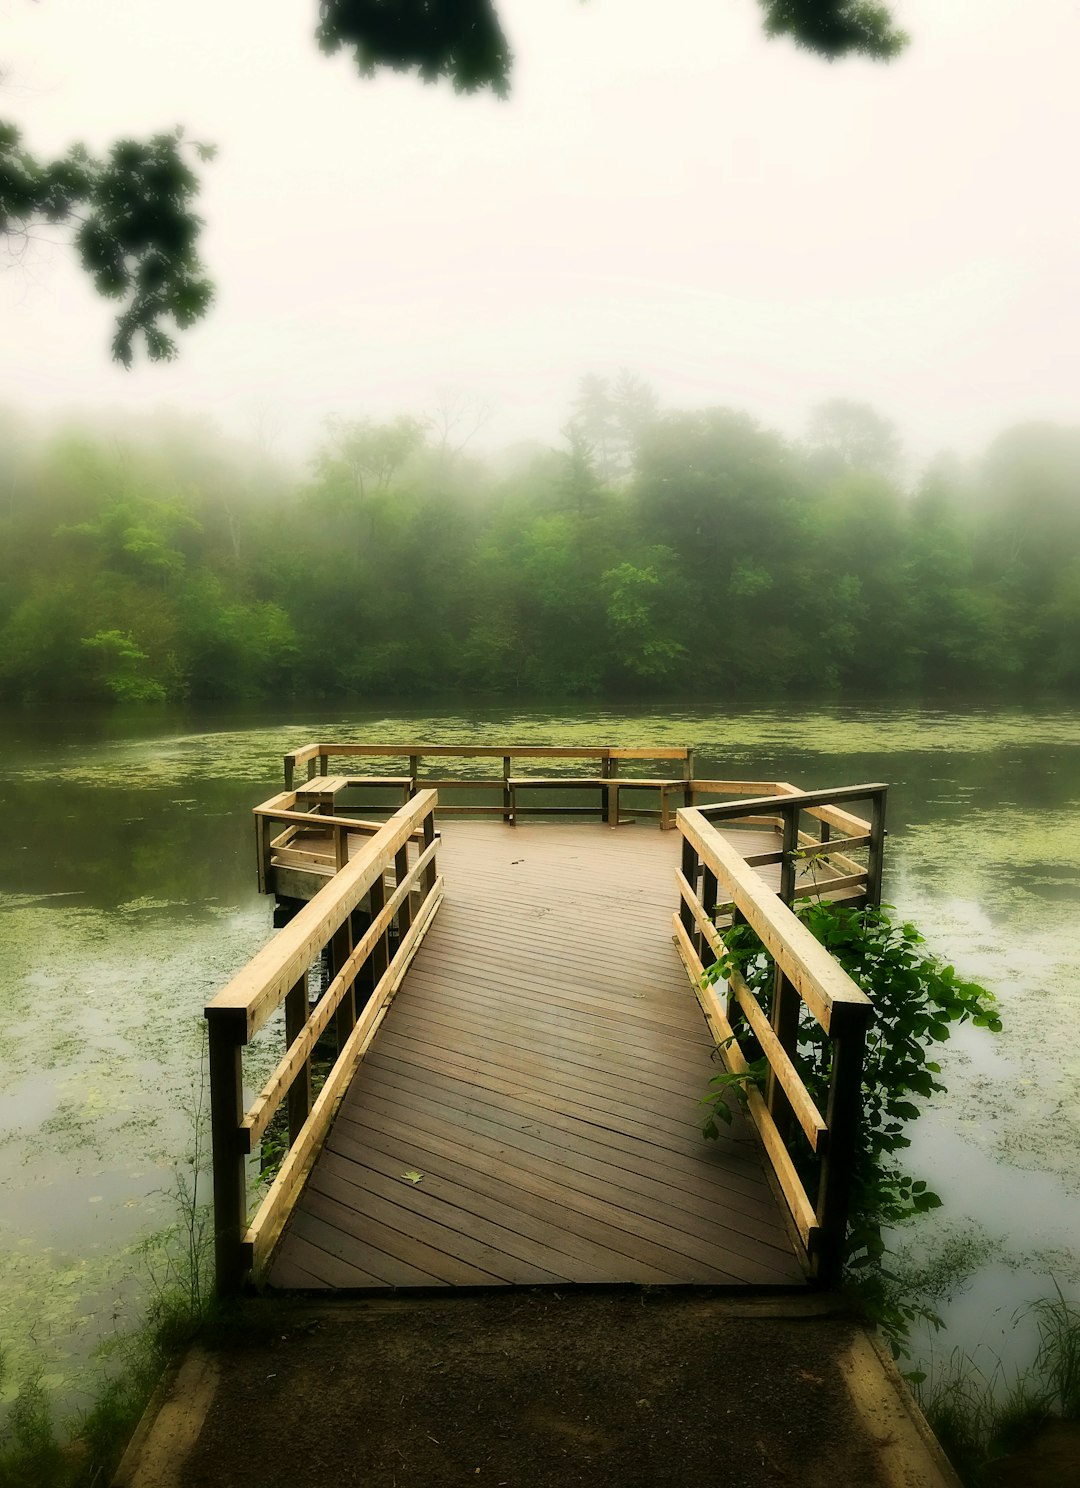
x: 541, y: 1067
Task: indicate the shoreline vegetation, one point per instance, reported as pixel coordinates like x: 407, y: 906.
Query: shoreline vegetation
x: 651, y: 554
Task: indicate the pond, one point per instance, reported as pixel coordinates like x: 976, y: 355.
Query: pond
x: 127, y: 873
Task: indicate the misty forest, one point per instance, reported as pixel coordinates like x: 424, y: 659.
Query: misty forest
x: 652, y: 553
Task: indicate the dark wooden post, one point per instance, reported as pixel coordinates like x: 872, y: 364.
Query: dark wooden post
x: 401, y: 872
x: 324, y: 764
x: 429, y: 874
x: 414, y: 774
x: 842, y: 1119
x: 611, y: 791
x: 263, y: 834
x: 379, y: 959
x: 708, y: 899
x: 785, y: 1024
x: 296, y: 1016
x: 507, y: 802
x: 290, y: 769
x: 688, y: 790
x: 227, y: 1030
x: 339, y: 951
x: 788, y: 865
x: 876, y: 861
x: 341, y: 848
x: 690, y: 873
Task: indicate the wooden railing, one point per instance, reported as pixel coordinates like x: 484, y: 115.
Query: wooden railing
x: 394, y: 878
x: 838, y: 835
x: 716, y: 879
x: 317, y: 757
x: 605, y: 776
x: 301, y: 844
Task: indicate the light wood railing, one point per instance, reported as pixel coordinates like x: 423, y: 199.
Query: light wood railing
x: 313, y: 840
x: 716, y: 879
x: 393, y: 884
x: 838, y: 834
x: 603, y: 777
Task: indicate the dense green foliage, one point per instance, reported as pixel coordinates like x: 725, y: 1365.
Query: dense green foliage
x: 916, y: 1001
x: 658, y: 555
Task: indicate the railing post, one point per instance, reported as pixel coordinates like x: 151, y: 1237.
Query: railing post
x: 341, y: 848
x: 788, y: 864
x: 296, y: 1016
x: 842, y: 1120
x: 263, y: 835
x: 690, y: 873
x: 507, y: 803
x: 611, y: 792
x: 785, y: 1024
x: 339, y: 950
x: 227, y: 1034
x: 324, y: 764
x: 688, y: 776
x: 380, y: 951
x: 401, y: 872
x: 706, y: 954
x: 876, y: 859
x: 290, y: 771
x: 431, y: 871
x: 414, y: 774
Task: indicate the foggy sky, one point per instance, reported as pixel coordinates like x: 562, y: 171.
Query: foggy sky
x: 667, y: 191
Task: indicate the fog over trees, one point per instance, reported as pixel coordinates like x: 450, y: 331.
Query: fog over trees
x: 652, y: 553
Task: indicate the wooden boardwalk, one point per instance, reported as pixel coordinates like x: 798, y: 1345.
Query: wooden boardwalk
x: 541, y: 1069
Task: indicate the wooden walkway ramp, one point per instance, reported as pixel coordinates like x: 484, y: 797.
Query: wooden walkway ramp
x: 528, y: 1112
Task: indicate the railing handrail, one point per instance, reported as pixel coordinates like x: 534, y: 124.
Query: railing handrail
x: 278, y: 974
x: 806, y: 973
x: 495, y: 751
x: 255, y: 993
x: 821, y: 982
x: 608, y: 755
x: 788, y: 796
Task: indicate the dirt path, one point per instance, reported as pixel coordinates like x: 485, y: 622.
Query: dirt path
x: 544, y: 1390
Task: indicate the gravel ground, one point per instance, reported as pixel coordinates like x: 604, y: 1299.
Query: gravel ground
x: 538, y: 1390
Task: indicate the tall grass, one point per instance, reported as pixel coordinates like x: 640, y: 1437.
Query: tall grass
x: 34, y: 1453
x: 980, y: 1418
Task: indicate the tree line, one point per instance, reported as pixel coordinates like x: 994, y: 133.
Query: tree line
x: 651, y: 554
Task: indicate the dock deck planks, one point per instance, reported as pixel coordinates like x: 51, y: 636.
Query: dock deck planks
x: 541, y: 1067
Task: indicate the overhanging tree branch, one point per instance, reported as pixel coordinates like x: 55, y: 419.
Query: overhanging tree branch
x: 138, y: 236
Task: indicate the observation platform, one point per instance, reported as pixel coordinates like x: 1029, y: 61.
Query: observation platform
x: 540, y: 1070
x: 521, y: 1033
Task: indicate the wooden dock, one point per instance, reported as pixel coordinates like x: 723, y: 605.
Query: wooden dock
x: 522, y: 1031
x: 541, y: 1069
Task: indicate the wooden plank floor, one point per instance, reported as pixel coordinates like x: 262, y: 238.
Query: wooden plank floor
x: 541, y: 1067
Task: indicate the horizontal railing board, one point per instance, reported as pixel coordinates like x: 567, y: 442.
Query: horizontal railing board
x: 257, y: 991
x: 822, y: 983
